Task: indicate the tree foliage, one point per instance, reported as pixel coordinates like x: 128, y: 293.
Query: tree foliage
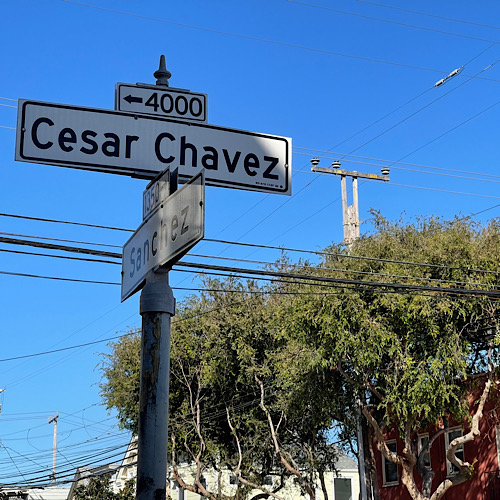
x: 99, y: 488
x: 407, y: 352
x: 261, y: 372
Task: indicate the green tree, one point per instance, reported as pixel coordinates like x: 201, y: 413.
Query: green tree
x: 405, y: 339
x: 230, y: 403
x: 261, y: 373
x: 99, y: 488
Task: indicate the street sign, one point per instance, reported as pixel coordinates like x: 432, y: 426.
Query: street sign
x: 143, y: 146
x: 155, y: 193
x: 164, y: 237
x: 153, y: 100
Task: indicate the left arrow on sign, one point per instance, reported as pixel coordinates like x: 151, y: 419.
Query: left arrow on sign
x: 130, y: 99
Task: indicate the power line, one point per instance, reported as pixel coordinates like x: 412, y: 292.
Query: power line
x: 444, y: 191
x: 405, y: 169
x: 66, y: 222
x: 430, y: 15
x: 254, y: 245
x: 39, y: 254
x: 254, y: 38
x: 391, y: 162
x: 262, y: 263
x: 390, y: 21
x: 43, y: 353
x: 60, y: 239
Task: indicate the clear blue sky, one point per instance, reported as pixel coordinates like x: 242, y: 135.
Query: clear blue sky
x: 295, y: 69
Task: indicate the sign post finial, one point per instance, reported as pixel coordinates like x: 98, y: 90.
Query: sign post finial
x: 162, y: 74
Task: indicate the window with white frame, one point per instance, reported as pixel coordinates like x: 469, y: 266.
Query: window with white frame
x: 423, y: 441
x: 450, y: 435
x: 390, y: 469
x: 233, y: 481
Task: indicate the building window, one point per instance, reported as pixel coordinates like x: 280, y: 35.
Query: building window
x: 233, y: 480
x: 390, y: 469
x: 459, y: 452
x: 342, y: 489
x: 423, y: 441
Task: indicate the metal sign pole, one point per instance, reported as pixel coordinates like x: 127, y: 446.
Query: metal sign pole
x: 157, y: 306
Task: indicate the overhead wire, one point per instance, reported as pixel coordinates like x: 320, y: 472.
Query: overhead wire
x: 436, y: 16
x: 391, y: 21
x: 253, y: 245
x: 254, y: 38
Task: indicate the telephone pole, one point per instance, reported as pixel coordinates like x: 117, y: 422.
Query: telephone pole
x: 350, y: 213
x: 54, y: 447
x: 350, y: 221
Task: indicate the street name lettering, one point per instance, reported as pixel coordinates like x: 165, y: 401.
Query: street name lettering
x: 167, y: 234
x: 143, y: 146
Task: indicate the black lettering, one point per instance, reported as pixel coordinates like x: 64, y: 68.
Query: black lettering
x: 111, y: 148
x: 210, y: 161
x: 152, y: 101
x: 66, y: 135
x: 173, y: 227
x: 128, y: 144
x: 272, y: 163
x: 185, y: 227
x: 185, y: 105
x: 85, y: 138
x: 231, y: 164
x: 162, y: 103
x: 192, y: 107
x: 154, y: 250
x: 164, y: 135
x: 194, y: 153
x: 132, y: 262
x: 251, y: 161
x: 34, y: 130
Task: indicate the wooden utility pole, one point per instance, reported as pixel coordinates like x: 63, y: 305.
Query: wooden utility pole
x: 54, y: 447
x: 350, y: 221
x: 350, y: 213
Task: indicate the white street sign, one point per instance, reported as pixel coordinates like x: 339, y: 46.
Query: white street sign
x: 153, y: 100
x: 155, y: 193
x: 168, y: 234
x: 143, y: 146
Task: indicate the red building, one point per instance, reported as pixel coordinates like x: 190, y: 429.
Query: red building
x: 483, y: 452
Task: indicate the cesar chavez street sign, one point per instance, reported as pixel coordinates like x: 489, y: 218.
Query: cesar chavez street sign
x: 143, y: 146
x: 175, y: 227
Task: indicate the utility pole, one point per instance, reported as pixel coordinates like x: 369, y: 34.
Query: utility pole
x: 350, y: 213
x: 54, y: 447
x: 350, y: 221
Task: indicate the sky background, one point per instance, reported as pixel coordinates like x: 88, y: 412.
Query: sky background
x: 350, y: 80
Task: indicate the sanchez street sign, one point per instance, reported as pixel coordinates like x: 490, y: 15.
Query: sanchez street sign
x: 143, y: 146
x: 169, y: 233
